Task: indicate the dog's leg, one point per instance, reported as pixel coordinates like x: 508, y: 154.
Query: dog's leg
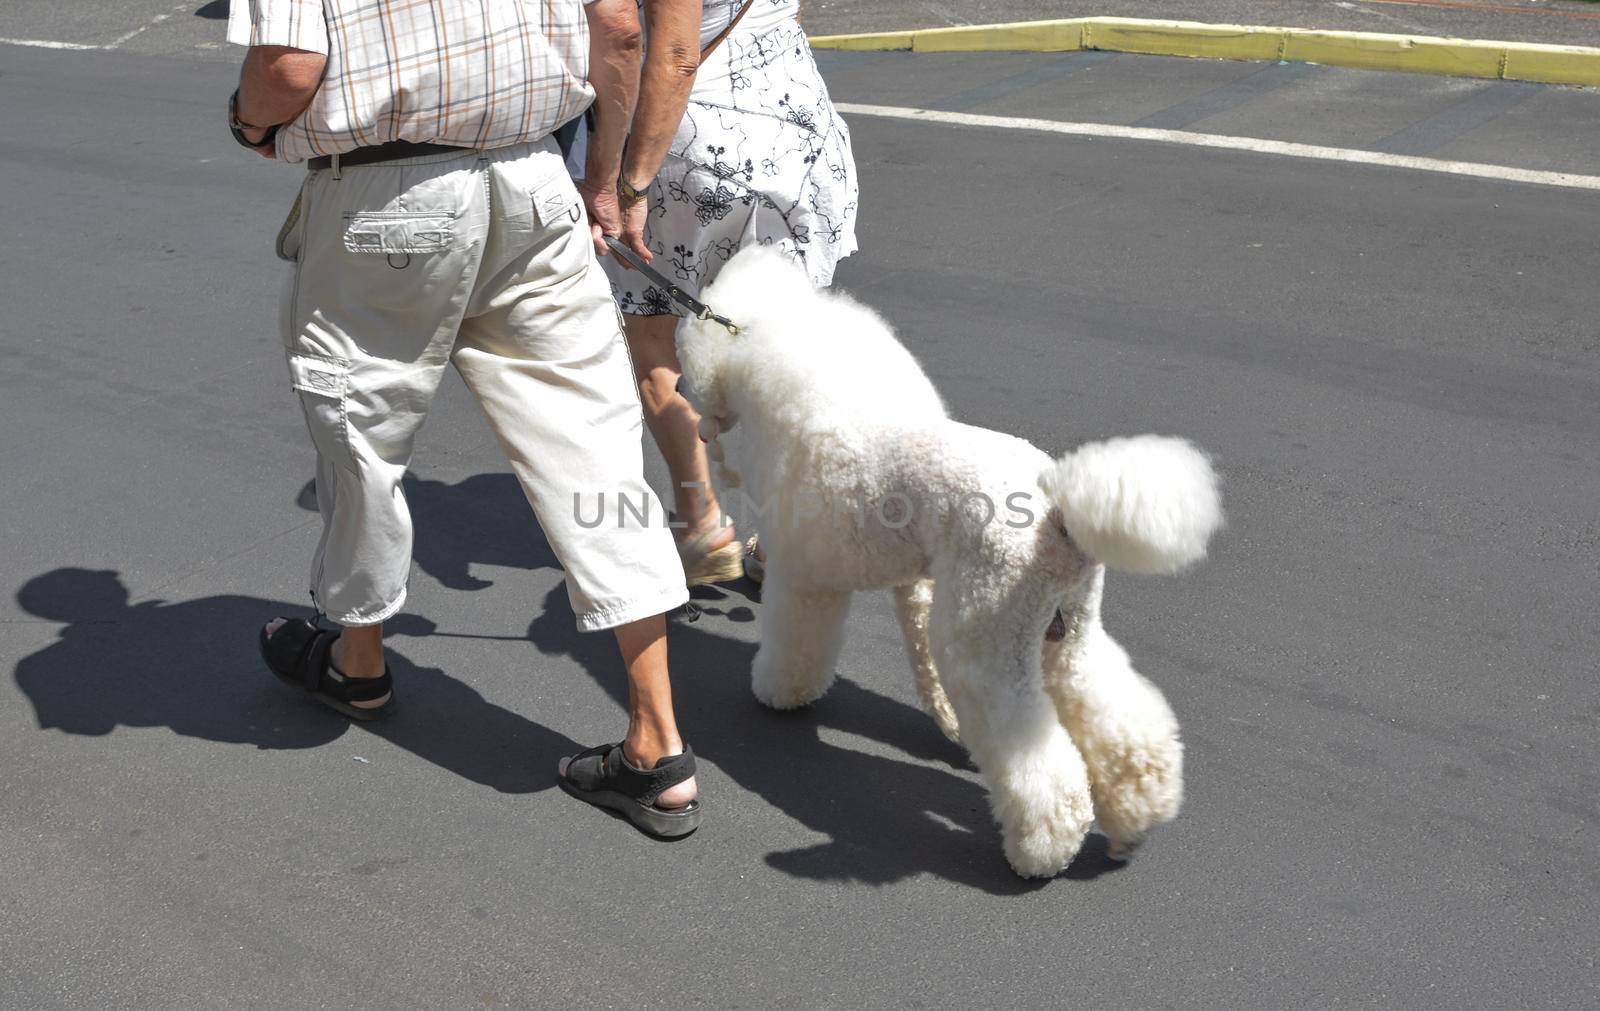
x: 1122, y: 725
x: 801, y: 634
x: 912, y: 605
x: 1038, y: 786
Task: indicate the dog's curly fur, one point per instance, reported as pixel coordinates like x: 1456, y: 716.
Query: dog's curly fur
x: 869, y: 484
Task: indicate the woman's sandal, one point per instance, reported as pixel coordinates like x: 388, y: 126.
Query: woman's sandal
x: 703, y: 565
x: 755, y: 567
x: 602, y: 776
x: 301, y: 654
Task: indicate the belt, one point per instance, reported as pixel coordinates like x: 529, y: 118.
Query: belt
x: 392, y: 151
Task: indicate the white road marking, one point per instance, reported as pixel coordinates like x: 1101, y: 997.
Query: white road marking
x: 143, y: 28
x: 45, y: 44
x: 1250, y: 144
x: 113, y: 44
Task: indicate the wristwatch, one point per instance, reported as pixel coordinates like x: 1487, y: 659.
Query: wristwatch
x: 629, y: 192
x: 238, y: 126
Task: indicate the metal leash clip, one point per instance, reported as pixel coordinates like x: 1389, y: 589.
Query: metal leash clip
x: 698, y: 309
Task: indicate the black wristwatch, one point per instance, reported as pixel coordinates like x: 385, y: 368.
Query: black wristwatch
x: 238, y: 126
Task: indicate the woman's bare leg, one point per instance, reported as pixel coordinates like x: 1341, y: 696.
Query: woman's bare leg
x: 674, y: 425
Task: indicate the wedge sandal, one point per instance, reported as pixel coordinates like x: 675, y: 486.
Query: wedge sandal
x: 703, y: 566
x: 301, y: 654
x: 602, y: 776
x: 755, y: 569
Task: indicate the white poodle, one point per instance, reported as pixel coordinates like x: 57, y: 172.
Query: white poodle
x: 995, y: 552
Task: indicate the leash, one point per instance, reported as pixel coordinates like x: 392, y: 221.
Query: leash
x: 696, y: 308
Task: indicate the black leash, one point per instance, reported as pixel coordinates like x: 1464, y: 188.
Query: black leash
x: 696, y: 308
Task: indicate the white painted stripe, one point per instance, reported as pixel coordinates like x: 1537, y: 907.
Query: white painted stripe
x: 1250, y: 144
x: 119, y: 40
x: 45, y: 44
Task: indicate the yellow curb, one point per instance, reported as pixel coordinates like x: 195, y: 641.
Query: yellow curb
x: 1517, y: 61
x: 1418, y: 55
x: 1026, y: 36
x: 1552, y: 64
x: 864, y: 43
x: 1184, y: 38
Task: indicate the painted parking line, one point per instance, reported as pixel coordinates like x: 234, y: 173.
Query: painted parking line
x: 46, y: 44
x: 1221, y: 99
x: 1252, y: 145
x: 82, y: 46
x: 127, y: 36
x: 1050, y: 70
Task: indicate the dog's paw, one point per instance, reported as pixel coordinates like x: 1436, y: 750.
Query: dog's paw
x: 784, y: 695
x: 1046, y: 849
x: 1044, y: 813
x: 782, y: 683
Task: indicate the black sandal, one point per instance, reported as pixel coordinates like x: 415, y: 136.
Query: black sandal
x: 602, y: 776
x: 300, y: 654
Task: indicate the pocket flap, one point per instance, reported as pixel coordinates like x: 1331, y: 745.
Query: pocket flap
x: 398, y: 232
x: 555, y: 200
x: 325, y: 377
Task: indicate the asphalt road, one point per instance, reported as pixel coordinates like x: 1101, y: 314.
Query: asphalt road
x: 193, y: 27
x: 1386, y: 673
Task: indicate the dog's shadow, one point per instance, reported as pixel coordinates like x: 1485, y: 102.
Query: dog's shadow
x: 885, y: 819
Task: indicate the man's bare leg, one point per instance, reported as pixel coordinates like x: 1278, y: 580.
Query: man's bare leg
x: 652, y: 728
x: 357, y: 653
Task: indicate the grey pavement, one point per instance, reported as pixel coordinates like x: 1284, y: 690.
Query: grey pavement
x: 1386, y: 674
x: 1509, y: 123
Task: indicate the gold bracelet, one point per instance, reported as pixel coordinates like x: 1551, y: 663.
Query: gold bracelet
x: 629, y: 192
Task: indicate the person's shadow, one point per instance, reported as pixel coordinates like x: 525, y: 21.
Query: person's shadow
x: 193, y: 666
x: 481, y: 520
x: 885, y: 819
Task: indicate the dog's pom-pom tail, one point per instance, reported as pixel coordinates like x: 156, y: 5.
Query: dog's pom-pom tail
x: 1143, y: 504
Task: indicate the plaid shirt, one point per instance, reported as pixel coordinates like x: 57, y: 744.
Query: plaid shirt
x: 474, y: 73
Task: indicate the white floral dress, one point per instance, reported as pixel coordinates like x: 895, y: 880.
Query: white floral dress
x: 760, y: 157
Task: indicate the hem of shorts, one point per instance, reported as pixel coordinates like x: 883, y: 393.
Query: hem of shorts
x: 352, y: 620
x: 827, y: 280
x: 633, y: 610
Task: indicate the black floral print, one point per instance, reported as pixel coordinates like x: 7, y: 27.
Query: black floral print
x: 761, y: 157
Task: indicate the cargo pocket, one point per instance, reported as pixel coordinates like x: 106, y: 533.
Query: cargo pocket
x: 323, y: 385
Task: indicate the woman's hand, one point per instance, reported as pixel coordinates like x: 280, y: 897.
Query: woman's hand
x: 634, y: 213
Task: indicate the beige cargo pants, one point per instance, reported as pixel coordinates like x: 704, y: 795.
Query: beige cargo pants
x: 481, y: 260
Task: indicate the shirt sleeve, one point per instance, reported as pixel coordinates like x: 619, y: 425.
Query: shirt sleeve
x: 298, y: 24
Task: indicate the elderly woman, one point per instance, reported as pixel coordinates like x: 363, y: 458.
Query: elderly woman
x: 734, y: 141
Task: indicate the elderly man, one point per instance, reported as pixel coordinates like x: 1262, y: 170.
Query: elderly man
x: 437, y: 225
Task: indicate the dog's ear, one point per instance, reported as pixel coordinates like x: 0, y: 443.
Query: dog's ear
x: 702, y: 347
